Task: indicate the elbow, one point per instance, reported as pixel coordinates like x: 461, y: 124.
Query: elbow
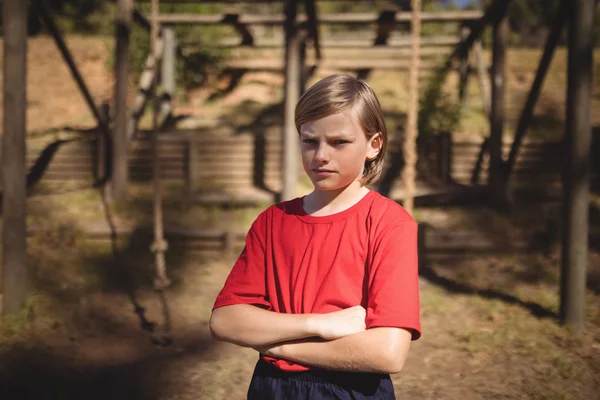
x: 216, y: 327
x: 395, y: 353
x: 392, y: 364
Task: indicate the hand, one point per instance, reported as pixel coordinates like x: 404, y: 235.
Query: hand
x: 338, y: 324
x: 272, y: 350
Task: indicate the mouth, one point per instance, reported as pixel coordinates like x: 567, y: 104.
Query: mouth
x: 322, y: 172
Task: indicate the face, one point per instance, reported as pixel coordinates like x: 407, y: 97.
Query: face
x: 334, y: 150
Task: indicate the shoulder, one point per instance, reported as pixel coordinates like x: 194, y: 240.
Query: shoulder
x: 277, y: 211
x: 385, y: 211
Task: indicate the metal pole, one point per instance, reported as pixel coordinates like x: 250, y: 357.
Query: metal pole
x: 13, y: 277
x: 576, y: 176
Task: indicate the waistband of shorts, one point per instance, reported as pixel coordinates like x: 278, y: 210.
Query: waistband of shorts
x: 342, y: 378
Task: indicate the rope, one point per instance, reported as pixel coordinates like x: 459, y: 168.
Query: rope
x: 409, y: 149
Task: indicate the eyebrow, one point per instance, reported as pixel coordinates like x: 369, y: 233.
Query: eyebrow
x: 342, y: 135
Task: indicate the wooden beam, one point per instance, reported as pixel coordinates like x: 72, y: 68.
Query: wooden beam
x: 463, y: 68
x: 385, y: 25
x: 495, y: 12
x: 339, y: 18
x: 293, y: 76
x: 120, y: 175
x: 340, y: 63
x: 144, y: 88
x: 242, y: 29
x: 496, y: 179
x: 536, y: 87
x: 371, y: 18
x: 313, y: 23
x: 576, y: 172
x: 141, y: 18
x: 347, y: 43
x: 13, y: 277
x: 46, y: 17
x: 228, y: 1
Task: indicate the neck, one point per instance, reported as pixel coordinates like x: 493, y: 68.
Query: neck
x: 332, y: 201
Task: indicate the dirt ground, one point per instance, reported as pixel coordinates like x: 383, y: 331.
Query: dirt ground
x: 489, y: 317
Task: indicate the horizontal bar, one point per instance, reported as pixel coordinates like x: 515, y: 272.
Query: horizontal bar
x: 346, y: 43
x: 340, y: 18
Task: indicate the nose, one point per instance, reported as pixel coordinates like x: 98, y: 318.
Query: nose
x: 322, y: 154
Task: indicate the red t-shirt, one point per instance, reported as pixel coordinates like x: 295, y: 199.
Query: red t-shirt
x: 298, y: 263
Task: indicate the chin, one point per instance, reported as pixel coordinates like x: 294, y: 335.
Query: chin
x: 327, y: 185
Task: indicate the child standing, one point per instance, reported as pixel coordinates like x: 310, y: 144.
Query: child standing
x: 326, y: 288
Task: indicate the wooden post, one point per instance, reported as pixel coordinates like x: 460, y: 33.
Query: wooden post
x: 463, y: 68
x: 496, y: 176
x: 536, y: 87
x: 293, y: 77
x: 101, y: 146
x: 120, y: 175
x: 444, y: 159
x: 576, y: 175
x: 192, y: 166
x: 311, y: 12
x: 422, y: 244
x: 168, y: 73
x: 13, y: 278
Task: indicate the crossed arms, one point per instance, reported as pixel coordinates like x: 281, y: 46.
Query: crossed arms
x: 335, y: 341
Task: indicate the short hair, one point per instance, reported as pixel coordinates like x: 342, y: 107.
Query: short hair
x: 341, y: 92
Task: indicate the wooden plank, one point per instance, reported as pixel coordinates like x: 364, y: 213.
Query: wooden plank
x: 337, y: 18
x: 329, y: 44
x: 347, y: 64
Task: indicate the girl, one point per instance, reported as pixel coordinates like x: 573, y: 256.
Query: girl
x: 326, y: 288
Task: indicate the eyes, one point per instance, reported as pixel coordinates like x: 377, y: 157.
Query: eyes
x: 335, y: 142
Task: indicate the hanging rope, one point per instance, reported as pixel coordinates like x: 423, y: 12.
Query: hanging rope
x: 410, y: 149
x: 160, y: 245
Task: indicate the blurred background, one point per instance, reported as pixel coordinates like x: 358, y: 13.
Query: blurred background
x: 498, y: 194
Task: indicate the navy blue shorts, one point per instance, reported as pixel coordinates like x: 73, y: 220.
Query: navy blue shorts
x: 271, y: 383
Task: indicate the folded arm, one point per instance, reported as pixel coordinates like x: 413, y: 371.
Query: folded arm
x: 381, y: 350
x: 250, y: 326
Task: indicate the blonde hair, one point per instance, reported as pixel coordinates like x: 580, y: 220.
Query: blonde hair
x: 341, y: 92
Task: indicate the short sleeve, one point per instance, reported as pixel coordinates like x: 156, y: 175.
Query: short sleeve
x: 246, y: 283
x: 393, y: 292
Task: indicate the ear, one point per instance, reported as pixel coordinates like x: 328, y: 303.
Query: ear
x: 374, y: 145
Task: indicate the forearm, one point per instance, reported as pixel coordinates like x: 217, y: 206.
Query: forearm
x: 250, y: 326
x: 381, y: 350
